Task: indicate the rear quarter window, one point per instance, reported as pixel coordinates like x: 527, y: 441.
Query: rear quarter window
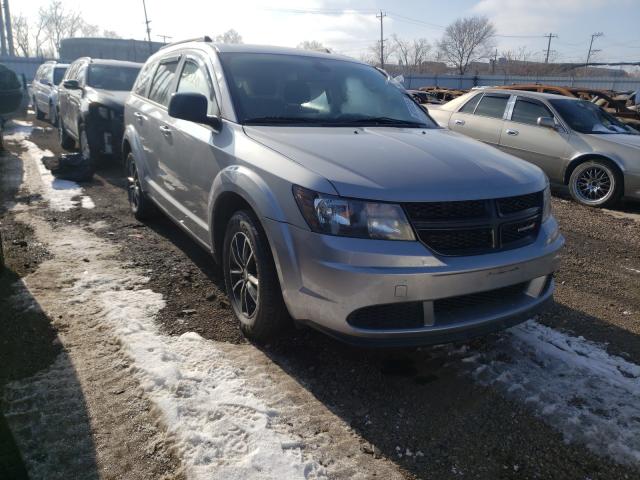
x: 492, y: 106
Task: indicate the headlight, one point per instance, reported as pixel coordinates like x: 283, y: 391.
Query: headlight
x: 104, y: 112
x: 334, y: 215
x: 546, y: 204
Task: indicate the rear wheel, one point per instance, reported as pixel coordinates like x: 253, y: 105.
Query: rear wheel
x: 251, y: 279
x: 66, y: 141
x: 39, y: 113
x: 140, y: 204
x: 595, y: 184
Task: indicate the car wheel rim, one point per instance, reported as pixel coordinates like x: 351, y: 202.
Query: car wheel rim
x: 594, y: 184
x: 243, y: 272
x: 84, y: 145
x: 134, y: 186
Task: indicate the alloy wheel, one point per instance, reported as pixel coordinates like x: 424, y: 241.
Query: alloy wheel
x: 243, y: 272
x: 595, y: 184
x: 134, y: 189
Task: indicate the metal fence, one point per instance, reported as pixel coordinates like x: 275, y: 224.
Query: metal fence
x: 466, y: 82
x: 26, y: 66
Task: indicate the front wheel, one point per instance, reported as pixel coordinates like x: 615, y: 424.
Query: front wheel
x: 139, y: 203
x: 66, y: 141
x: 251, y: 279
x: 595, y: 184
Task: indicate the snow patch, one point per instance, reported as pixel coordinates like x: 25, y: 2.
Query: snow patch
x: 62, y: 195
x: 222, y: 429
x: 587, y: 394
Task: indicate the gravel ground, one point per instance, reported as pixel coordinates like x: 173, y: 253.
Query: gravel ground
x: 392, y: 404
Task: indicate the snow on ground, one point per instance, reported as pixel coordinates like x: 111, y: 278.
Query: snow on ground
x: 222, y: 429
x: 574, y: 384
x: 62, y: 195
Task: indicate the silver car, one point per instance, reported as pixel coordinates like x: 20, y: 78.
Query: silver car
x: 329, y: 196
x: 575, y: 142
x: 44, y: 90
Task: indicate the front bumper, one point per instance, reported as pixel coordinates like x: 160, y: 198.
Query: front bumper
x: 105, y: 136
x: 324, y: 279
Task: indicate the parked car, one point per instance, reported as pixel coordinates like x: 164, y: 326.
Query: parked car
x: 329, y: 196
x: 44, y: 90
x: 574, y: 141
x: 425, y: 97
x: 91, y: 105
x: 13, y: 97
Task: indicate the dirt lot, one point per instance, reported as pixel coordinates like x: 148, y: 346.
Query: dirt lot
x: 445, y: 412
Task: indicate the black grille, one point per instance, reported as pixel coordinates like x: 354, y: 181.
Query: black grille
x: 446, y: 210
x: 386, y: 317
x: 509, y: 205
x: 445, y: 308
x: 452, y: 242
x: 477, y: 226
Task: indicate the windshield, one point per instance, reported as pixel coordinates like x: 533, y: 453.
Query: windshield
x: 586, y: 117
x: 112, y: 77
x: 273, y: 89
x: 58, y: 73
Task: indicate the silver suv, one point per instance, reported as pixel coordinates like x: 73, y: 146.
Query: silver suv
x: 330, y: 197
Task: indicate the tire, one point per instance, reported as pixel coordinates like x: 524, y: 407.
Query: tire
x: 39, y: 113
x: 249, y: 267
x: 141, y: 206
x: 86, y: 149
x: 65, y: 140
x: 53, y: 115
x: 596, y: 183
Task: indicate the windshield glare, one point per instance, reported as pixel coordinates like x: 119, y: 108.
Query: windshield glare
x: 586, y: 117
x: 299, y: 90
x: 111, y: 77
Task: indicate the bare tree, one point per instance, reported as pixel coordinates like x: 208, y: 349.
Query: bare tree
x: 411, y: 53
x: 21, y: 35
x: 312, y: 45
x: 230, y: 36
x: 110, y: 34
x: 466, y: 40
x: 374, y: 53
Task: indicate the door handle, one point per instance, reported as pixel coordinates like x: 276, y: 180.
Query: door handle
x: 513, y: 133
x: 459, y: 122
x: 165, y: 130
x: 138, y: 115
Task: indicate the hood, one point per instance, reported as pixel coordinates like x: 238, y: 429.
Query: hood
x: 618, y: 139
x: 113, y: 99
x: 403, y: 164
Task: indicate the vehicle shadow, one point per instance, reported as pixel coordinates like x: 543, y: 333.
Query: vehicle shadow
x: 44, y: 418
x: 424, y: 400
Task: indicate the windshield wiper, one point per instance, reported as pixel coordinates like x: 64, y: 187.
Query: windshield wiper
x: 382, y: 121
x: 275, y: 120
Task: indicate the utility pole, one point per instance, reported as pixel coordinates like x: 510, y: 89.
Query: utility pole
x: 591, y: 50
x: 164, y: 38
x: 381, y: 17
x: 7, y: 21
x: 550, y: 36
x: 3, y: 40
x: 147, y: 22
x: 494, y: 61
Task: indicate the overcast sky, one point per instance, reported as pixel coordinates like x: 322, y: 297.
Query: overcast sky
x: 350, y: 26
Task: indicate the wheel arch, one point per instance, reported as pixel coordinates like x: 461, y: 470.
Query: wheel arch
x: 593, y: 157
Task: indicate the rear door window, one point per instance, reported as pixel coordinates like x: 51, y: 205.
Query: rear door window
x: 160, y: 91
x: 528, y: 111
x: 492, y: 106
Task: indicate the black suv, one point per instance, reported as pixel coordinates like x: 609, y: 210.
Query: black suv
x: 91, y: 105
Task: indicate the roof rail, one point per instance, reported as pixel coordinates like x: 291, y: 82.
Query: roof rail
x: 206, y: 38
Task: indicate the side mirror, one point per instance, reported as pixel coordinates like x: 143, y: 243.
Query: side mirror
x: 546, y: 122
x: 71, y: 85
x: 193, y: 108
